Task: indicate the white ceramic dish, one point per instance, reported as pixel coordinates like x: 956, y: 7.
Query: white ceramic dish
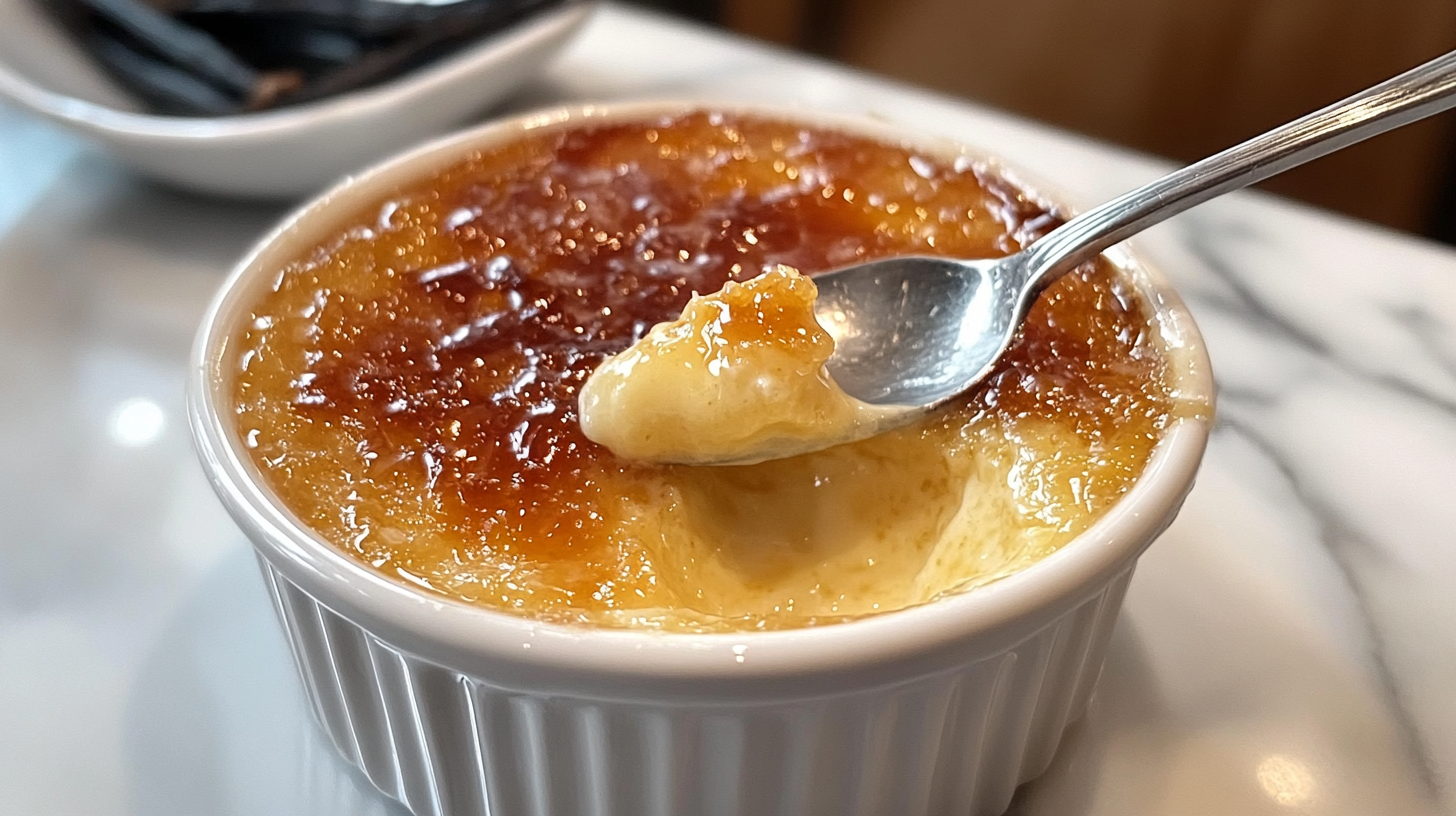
x: 454, y: 709
x: 277, y: 154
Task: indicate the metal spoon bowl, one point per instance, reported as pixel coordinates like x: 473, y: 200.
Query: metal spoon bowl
x: 914, y: 332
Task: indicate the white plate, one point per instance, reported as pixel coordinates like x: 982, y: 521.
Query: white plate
x: 276, y: 154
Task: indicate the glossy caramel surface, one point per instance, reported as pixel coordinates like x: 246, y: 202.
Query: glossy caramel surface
x: 409, y: 388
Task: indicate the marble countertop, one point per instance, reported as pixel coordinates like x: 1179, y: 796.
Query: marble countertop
x: 1289, y: 646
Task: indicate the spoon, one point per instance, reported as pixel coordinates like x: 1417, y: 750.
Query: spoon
x: 913, y: 332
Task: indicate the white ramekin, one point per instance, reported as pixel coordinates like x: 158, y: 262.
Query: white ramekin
x: 454, y: 709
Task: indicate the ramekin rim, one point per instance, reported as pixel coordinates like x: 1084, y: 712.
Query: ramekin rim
x: 445, y: 628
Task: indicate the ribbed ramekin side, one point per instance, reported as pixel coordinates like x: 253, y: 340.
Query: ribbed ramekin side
x: 1005, y: 721
x: 318, y: 671
x: 1072, y: 673
x: 447, y: 744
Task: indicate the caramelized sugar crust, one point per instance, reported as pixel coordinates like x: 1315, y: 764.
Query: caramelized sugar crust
x: 409, y: 388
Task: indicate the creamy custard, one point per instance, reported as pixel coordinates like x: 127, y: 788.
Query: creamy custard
x: 739, y: 378
x: 409, y: 388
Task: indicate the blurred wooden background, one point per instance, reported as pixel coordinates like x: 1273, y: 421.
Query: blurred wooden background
x: 1177, y: 78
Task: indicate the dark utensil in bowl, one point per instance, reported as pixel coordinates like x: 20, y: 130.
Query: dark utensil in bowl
x: 221, y: 57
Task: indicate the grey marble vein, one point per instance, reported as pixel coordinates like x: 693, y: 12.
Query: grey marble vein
x: 1209, y: 239
x: 1340, y: 537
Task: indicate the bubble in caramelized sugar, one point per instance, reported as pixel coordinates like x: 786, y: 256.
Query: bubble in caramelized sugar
x: 410, y: 387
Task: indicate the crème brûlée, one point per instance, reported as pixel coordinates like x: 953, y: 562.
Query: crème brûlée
x: 409, y: 388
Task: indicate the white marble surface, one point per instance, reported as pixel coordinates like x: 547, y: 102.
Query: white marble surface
x: 1288, y: 647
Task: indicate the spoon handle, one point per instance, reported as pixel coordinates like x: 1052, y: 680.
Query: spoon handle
x: 1413, y: 95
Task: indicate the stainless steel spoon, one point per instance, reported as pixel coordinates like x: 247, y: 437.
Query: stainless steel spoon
x: 916, y: 331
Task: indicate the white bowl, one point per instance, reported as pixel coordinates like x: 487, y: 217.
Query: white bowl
x: 455, y: 709
x: 276, y: 154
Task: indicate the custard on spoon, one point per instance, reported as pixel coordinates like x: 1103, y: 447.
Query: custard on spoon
x: 739, y: 378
